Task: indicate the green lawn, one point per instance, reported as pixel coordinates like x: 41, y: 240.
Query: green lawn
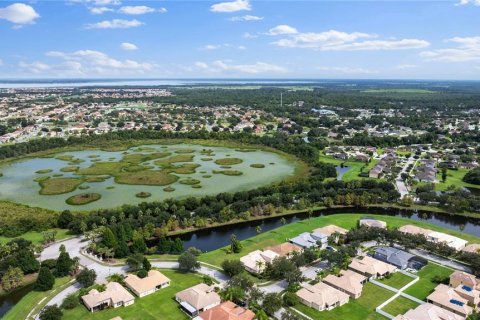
x: 397, y: 280
x: 399, y: 306
x: 362, y: 308
x: 454, y: 177
x: 355, y: 166
x: 346, y: 220
x: 158, y: 305
x: 425, y: 285
x: 36, y: 236
x: 31, y: 300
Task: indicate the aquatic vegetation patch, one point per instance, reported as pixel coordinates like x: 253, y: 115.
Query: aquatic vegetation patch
x: 143, y: 194
x: 228, y: 161
x: 189, y: 181
x: 136, y: 168
x: 228, y: 172
x: 186, y: 168
x: 175, y: 159
x: 54, y: 186
x: 245, y: 150
x: 96, y: 178
x: 257, y: 165
x: 43, y: 171
x: 169, y: 189
x: 206, y: 159
x: 196, y: 186
x: 147, y: 178
x: 184, y: 151
x: 84, y: 198
x: 69, y: 169
x: 65, y: 157
x: 137, y: 158
x: 207, y: 176
x: 103, y: 168
x: 84, y: 187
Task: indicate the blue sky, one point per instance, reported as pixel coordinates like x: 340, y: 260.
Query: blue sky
x: 240, y: 39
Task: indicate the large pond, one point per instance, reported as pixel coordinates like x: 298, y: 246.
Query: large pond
x: 191, y: 170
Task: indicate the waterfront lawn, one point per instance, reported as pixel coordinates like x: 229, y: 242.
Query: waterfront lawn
x: 400, y: 305
x: 356, y: 167
x: 158, y: 305
x: 362, y: 308
x: 397, y: 280
x: 344, y: 220
x: 426, y: 283
x: 37, y: 237
x: 32, y: 300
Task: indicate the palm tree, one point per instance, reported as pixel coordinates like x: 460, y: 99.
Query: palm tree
x: 258, y: 229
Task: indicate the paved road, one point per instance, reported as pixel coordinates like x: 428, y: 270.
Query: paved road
x: 441, y: 260
x: 401, y: 186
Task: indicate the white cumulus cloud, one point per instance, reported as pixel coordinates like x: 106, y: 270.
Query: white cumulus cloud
x: 246, y: 18
x: 100, y: 10
x: 467, y: 49
x: 128, y: 46
x: 115, y: 24
x: 466, y: 2
x: 19, y: 14
x: 233, y: 6
x: 282, y: 29
x: 138, y: 10
x: 334, y: 40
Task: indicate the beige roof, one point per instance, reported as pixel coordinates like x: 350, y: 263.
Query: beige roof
x: 227, y: 311
x: 429, y: 311
x: 199, y: 296
x: 435, y: 236
x: 256, y: 260
x: 155, y: 278
x: 472, y: 248
x: 114, y: 292
x: 331, y: 229
x: 350, y: 281
x: 444, y: 295
x: 284, y: 249
x: 460, y: 277
x: 371, y: 266
x: 411, y: 229
x: 321, y: 294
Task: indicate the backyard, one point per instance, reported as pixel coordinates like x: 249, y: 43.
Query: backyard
x: 429, y: 277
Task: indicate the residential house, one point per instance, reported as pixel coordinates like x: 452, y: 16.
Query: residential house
x: 256, y: 261
x: 154, y: 281
x: 371, y: 267
x: 331, y: 229
x: 428, y: 311
x: 114, y: 295
x: 227, y: 311
x: 321, y: 296
x: 467, y: 286
x: 372, y: 223
x: 399, y: 258
x: 447, y: 298
x: 434, y: 236
x: 349, y: 282
x: 310, y: 240
x: 472, y: 248
x: 285, y: 249
x: 197, y: 299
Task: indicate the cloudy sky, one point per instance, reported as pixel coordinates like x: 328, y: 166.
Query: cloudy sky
x: 241, y: 39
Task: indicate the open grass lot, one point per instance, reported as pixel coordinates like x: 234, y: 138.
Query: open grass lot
x: 356, y: 167
x: 399, y: 306
x: 454, y: 177
x: 30, y: 301
x: 54, y: 186
x: 397, y: 280
x: 37, y: 237
x: 346, y: 220
x: 362, y: 308
x: 425, y: 285
x: 158, y: 305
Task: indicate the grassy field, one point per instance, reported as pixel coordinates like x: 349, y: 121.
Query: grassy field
x: 399, y: 306
x: 362, y: 308
x: 30, y: 301
x: 454, y: 177
x: 397, y: 280
x: 54, y: 186
x: 158, y: 305
x: 356, y: 167
x: 346, y: 220
x: 37, y: 237
x: 425, y: 285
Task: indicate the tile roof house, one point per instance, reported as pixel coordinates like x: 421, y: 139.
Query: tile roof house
x: 321, y: 296
x: 373, y: 223
x: 256, y: 261
x: 472, y: 248
x: 349, y: 282
x: 467, y: 286
x: 227, y: 311
x: 115, y: 295
x: 151, y: 283
x: 434, y: 236
x: 371, y: 267
x: 428, y: 311
x: 285, y: 249
x: 447, y: 298
x: 197, y: 299
x: 330, y: 229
